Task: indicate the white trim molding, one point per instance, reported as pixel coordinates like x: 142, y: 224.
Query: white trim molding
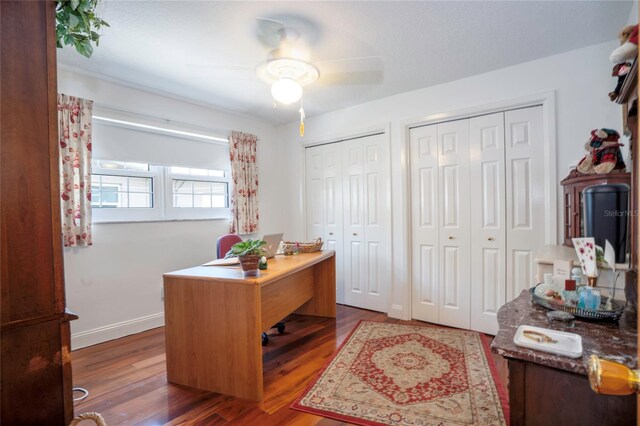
x: 105, y: 333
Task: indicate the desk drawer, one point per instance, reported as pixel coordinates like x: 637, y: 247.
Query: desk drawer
x: 282, y: 297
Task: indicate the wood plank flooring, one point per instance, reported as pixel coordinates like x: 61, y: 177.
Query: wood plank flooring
x: 128, y: 385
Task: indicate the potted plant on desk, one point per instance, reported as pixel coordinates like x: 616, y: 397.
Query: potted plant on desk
x: 248, y: 253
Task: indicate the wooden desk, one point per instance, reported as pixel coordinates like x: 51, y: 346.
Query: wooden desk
x: 214, y: 318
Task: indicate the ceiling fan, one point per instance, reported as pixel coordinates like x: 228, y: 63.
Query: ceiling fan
x: 288, y: 67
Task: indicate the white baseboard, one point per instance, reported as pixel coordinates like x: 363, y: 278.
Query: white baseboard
x: 115, y: 331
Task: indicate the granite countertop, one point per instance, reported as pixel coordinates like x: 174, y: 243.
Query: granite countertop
x: 613, y: 341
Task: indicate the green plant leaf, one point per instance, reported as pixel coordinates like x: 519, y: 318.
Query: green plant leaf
x: 76, y: 23
x: 248, y: 247
x: 88, y: 48
x: 73, y: 21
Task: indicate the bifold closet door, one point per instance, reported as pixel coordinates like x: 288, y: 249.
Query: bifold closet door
x: 488, y: 240
x: 440, y: 223
x: 367, y: 221
x: 525, y: 195
x: 314, y: 192
x: 455, y: 230
x: 324, y: 203
x: 425, y: 226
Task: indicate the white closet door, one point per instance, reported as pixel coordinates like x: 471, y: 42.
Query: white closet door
x: 377, y: 221
x: 488, y: 239
x: 314, y: 192
x: 525, y: 195
x: 332, y: 214
x: 454, y: 209
x: 424, y: 222
x: 353, y: 208
x: 367, y: 222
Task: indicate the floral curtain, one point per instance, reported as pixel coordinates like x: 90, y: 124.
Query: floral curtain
x: 244, y: 172
x: 74, y: 136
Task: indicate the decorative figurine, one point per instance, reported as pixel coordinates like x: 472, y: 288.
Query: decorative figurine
x: 623, y: 57
x: 262, y: 265
x: 603, y: 155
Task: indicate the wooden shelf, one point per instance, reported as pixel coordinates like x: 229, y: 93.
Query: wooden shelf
x: 629, y: 89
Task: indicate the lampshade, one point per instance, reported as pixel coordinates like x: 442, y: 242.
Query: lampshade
x: 286, y: 90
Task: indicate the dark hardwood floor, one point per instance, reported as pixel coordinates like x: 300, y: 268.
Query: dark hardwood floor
x: 128, y: 385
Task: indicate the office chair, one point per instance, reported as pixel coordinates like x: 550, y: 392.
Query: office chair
x: 223, y: 245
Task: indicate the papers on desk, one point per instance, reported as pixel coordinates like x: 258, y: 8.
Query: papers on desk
x: 223, y: 262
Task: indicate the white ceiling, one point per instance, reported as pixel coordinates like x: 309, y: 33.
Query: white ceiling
x: 207, y: 51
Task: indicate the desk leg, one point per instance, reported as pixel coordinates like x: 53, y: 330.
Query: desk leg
x: 323, y: 303
x: 213, y: 336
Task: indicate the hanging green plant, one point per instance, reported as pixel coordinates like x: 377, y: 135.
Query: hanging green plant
x: 77, y: 25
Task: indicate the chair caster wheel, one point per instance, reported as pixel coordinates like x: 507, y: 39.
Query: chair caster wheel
x: 280, y: 328
x: 265, y: 339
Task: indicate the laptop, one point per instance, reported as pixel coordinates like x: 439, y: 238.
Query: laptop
x: 273, y: 242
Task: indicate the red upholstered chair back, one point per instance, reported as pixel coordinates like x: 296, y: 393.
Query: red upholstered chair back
x: 225, y: 243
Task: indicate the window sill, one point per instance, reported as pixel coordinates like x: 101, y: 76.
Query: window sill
x: 112, y: 222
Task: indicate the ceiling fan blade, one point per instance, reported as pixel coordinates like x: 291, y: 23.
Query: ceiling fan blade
x: 351, y: 78
x: 352, y: 71
x: 227, y: 72
x: 269, y: 31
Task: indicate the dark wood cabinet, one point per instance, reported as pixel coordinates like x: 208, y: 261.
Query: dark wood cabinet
x: 547, y: 389
x: 628, y: 98
x: 35, y: 363
x: 573, y: 185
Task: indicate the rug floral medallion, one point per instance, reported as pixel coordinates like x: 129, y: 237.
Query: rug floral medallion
x: 408, y: 375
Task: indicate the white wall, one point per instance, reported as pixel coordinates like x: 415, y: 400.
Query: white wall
x: 580, y: 79
x: 115, y: 285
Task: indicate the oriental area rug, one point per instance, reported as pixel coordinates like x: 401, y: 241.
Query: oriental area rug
x: 394, y: 374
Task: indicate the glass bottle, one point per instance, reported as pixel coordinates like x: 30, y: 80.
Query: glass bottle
x: 611, y: 378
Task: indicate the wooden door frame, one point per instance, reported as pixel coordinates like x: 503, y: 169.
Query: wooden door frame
x: 548, y: 102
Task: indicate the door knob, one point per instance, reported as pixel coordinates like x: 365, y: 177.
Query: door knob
x: 451, y: 237
x: 355, y: 234
x: 491, y: 239
x: 330, y: 233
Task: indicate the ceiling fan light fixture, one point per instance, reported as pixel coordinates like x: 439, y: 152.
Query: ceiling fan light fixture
x: 286, y: 90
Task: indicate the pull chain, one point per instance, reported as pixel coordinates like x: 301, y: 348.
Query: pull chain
x: 301, y: 111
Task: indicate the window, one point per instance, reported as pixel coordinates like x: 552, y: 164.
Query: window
x: 122, y: 191
x: 125, y: 191
x: 198, y: 193
x: 110, y: 191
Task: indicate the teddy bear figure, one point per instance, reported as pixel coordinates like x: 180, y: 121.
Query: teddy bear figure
x: 623, y: 57
x: 604, y: 154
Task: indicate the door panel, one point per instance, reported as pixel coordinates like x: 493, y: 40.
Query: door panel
x: 377, y: 220
x: 367, y: 221
x: 455, y: 230
x: 425, y: 246
x: 353, y: 222
x: 524, y: 196
x: 324, y: 203
x: 488, y: 243
x: 333, y: 204
x: 315, y: 193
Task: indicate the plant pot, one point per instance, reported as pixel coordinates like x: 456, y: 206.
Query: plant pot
x: 249, y: 264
